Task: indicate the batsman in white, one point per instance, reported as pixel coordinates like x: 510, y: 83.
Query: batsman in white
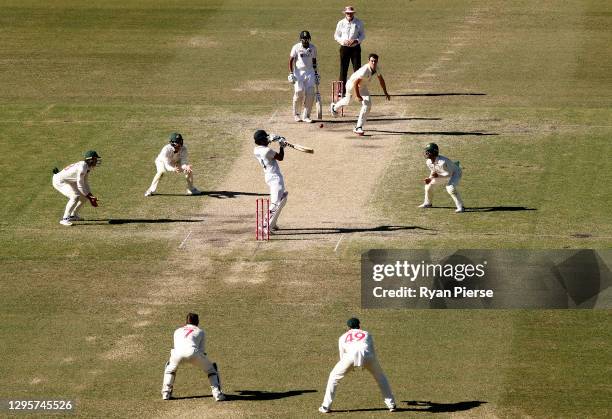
x: 72, y: 183
x: 189, y: 347
x: 356, y: 351
x: 357, y: 86
x: 442, y: 171
x: 268, y: 158
x: 303, y: 74
x: 173, y: 158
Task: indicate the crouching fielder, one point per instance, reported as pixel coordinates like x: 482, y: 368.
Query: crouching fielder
x: 357, y: 86
x: 356, y: 350
x: 72, y: 183
x: 189, y: 347
x: 173, y: 158
x: 268, y: 158
x: 442, y: 171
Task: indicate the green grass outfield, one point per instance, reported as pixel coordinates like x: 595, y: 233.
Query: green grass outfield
x: 80, y: 317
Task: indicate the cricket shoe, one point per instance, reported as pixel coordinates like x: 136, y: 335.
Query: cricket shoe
x: 333, y: 110
x: 297, y: 118
x: 217, y: 394
x: 75, y: 218
x: 459, y: 210
x: 166, y: 395
x: 358, y: 131
x: 307, y: 120
x: 65, y: 222
x: 425, y: 206
x: 193, y: 191
x: 149, y: 193
x: 324, y: 409
x: 390, y: 405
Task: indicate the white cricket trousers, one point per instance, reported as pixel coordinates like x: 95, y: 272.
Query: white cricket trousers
x: 366, y: 103
x: 344, y: 366
x: 278, y: 197
x: 451, y: 188
x: 304, y: 92
x: 70, y: 191
x: 195, y: 358
x: 161, y: 169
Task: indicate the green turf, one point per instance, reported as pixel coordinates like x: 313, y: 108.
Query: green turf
x: 119, y: 76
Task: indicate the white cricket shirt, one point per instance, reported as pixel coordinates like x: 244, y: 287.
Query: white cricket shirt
x: 356, y: 344
x: 170, y: 158
x: 365, y: 74
x: 443, y: 166
x: 303, y: 56
x: 265, y: 157
x: 189, y: 338
x: 77, y: 173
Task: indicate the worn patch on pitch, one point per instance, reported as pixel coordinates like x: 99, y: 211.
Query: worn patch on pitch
x: 126, y: 348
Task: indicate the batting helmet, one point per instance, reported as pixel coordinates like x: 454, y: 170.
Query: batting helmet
x: 176, y: 138
x: 260, y: 136
x: 305, y: 35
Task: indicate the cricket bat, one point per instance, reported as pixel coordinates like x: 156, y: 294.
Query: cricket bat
x: 319, y: 104
x: 301, y: 148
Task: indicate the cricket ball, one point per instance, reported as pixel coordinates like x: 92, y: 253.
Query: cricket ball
x: 320, y: 125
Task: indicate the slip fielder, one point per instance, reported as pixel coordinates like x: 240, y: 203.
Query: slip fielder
x: 442, y: 171
x: 189, y: 347
x: 173, y: 158
x: 356, y: 351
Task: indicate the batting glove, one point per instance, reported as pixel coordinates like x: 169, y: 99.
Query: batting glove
x: 317, y: 78
x: 291, y: 78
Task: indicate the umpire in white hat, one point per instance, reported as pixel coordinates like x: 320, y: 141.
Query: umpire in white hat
x: 349, y: 34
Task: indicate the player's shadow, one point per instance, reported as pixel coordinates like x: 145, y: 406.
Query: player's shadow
x: 432, y: 94
x: 380, y: 119
x: 215, y: 194
x: 453, y: 133
x: 430, y: 407
x: 139, y: 221
x: 248, y: 395
x: 344, y: 230
x: 493, y: 209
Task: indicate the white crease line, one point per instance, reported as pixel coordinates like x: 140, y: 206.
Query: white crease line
x: 338, y: 244
x: 184, y: 240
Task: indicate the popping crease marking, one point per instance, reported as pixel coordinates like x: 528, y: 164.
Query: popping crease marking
x: 184, y: 240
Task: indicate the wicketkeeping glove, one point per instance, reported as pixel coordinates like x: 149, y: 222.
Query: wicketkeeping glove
x: 92, y: 200
x: 291, y: 78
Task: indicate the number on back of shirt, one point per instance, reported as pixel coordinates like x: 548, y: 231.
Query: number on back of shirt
x: 354, y: 337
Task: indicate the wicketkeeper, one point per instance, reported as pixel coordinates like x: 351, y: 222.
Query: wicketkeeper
x: 173, y: 158
x: 356, y: 351
x: 189, y: 347
x: 73, y: 184
x: 442, y: 171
